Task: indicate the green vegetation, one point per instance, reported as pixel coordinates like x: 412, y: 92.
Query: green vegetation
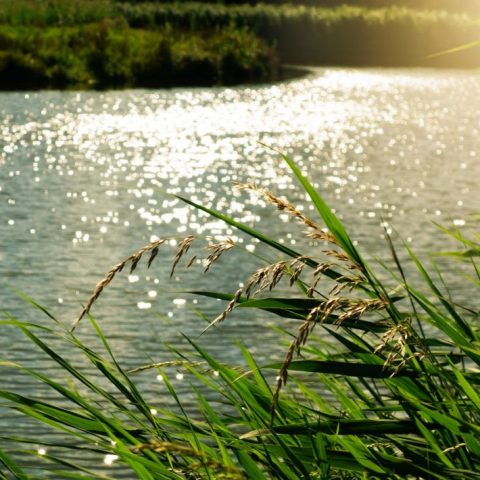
x: 386, y: 387
x: 55, y: 12
x: 88, y: 44
x: 472, y: 6
x: 109, y: 54
x: 100, y: 44
x: 325, y: 36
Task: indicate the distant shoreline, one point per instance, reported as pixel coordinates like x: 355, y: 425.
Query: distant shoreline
x: 107, y: 45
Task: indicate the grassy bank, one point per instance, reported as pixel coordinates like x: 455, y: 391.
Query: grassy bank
x: 74, y: 12
x: 110, y: 54
x: 387, y: 390
x: 84, y: 44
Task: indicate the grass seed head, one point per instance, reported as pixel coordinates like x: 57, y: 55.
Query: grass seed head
x: 182, y: 249
x: 222, y: 471
x: 284, y: 205
x: 152, y: 247
x: 216, y: 250
x: 229, y: 308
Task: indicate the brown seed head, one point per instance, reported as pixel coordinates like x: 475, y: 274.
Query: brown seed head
x: 216, y: 250
x: 285, y: 205
x: 182, y: 249
x: 102, y: 284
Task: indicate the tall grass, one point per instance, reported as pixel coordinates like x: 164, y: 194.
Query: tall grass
x: 472, y: 6
x: 337, y: 36
x: 379, y: 379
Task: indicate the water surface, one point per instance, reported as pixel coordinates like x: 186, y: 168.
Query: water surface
x: 87, y: 178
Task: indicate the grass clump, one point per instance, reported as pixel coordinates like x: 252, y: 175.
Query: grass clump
x: 379, y: 379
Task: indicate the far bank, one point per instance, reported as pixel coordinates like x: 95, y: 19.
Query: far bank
x: 88, y: 45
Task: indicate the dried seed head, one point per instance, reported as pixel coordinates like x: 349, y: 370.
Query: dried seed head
x: 222, y: 471
x: 268, y: 277
x: 171, y: 363
x: 355, y: 308
x: 322, y: 267
x: 276, y: 274
x: 316, y: 315
x: 338, y: 255
x: 182, y: 249
x: 323, y: 235
x: 134, y: 259
x: 190, y: 262
x: 229, y: 308
x: 313, y: 287
x: 153, y: 254
x: 345, y: 282
x: 265, y: 277
x: 285, y: 205
x: 345, y: 259
x: 216, y: 250
x: 397, y: 341
x: 297, y: 266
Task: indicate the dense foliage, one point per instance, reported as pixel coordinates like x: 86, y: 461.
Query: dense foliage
x: 109, y: 54
x: 388, y: 389
x: 89, y: 44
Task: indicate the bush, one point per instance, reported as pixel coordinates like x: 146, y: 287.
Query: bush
x: 21, y: 71
x: 156, y: 68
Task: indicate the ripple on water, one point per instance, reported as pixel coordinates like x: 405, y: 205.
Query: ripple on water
x: 88, y: 178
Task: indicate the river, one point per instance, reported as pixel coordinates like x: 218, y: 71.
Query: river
x: 87, y: 178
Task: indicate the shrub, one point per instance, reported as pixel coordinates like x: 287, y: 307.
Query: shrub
x: 110, y: 54
x: 156, y: 68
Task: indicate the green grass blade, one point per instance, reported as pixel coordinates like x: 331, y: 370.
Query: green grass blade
x: 331, y: 220
x: 11, y: 466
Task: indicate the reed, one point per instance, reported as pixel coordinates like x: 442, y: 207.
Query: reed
x: 399, y: 361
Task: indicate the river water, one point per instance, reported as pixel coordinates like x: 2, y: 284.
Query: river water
x: 87, y: 178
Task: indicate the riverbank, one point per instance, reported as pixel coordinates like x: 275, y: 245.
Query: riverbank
x: 109, y: 54
x: 109, y: 44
